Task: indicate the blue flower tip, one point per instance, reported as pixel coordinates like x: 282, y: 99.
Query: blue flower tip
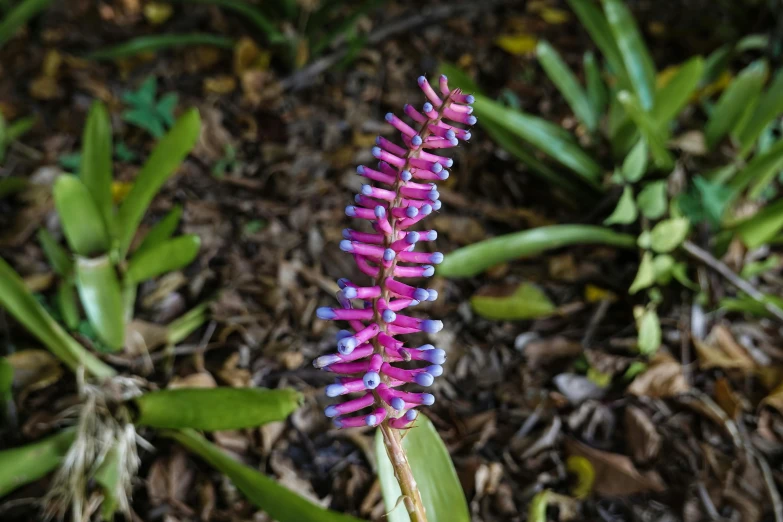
x: 416, y: 140
x: 334, y: 390
x: 427, y: 107
x: 427, y: 399
x: 325, y: 313
x: 470, y: 98
x: 377, y: 140
x: 426, y: 209
x: 342, y: 282
x: 347, y: 233
x: 346, y: 246
x: 350, y: 292
x: 411, y: 212
x: 412, y: 238
x: 414, y: 302
x: 467, y: 136
x: 450, y: 134
x: 371, y: 420
x: 366, y: 190
x: 360, y: 169
x: 437, y: 205
x: 421, y: 80
x: 432, y: 325
x: 347, y: 345
x: 380, y: 211
x: 371, y: 380
x: 443, y: 174
x: 388, y: 316
x: 436, y: 258
x: 433, y: 195
x: 454, y: 142
x: 411, y: 415
x: 350, y: 211
x: 429, y: 270
x: 432, y: 235
x: 449, y: 162
x: 424, y: 379
x: 342, y: 334
x: 337, y: 423
x: 444, y: 77
x: 470, y: 110
x: 331, y: 411
x: 436, y: 370
x: 389, y: 116
x: 420, y: 294
x: 405, y: 175
x: 472, y: 120
x: 432, y: 295
x: 389, y: 254
x: 397, y: 403
x: 436, y: 356
x: 436, y: 167
x: 376, y: 152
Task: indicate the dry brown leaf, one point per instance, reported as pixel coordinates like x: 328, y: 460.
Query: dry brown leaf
x: 143, y: 337
x: 643, y: 439
x: 720, y: 350
x: 663, y: 379
x: 34, y: 370
x: 615, y: 474
x: 543, y: 352
x: 170, y: 478
x: 774, y: 399
x: 37, y: 283
x: 727, y: 398
x: 194, y: 380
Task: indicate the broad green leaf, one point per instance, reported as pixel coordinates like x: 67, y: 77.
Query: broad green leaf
x: 474, y: 259
x: 549, y: 138
x: 652, y: 200
x: 162, y: 231
x: 108, y: 477
x: 280, y: 503
x: 669, y: 234
x: 649, y: 333
x: 536, y: 512
x: 101, y: 297
x: 80, y: 217
x: 596, y: 24
x: 167, y: 256
x: 567, y: 83
x: 6, y: 384
x: 11, y: 22
x: 762, y: 227
x: 749, y: 305
x: 735, y: 100
x: 671, y: 99
x: 645, y: 276
x: 705, y: 201
x: 597, y: 93
x: 31, y: 462
x: 433, y: 470
x: 67, y: 305
x: 654, y: 136
x: 163, y: 162
x: 680, y: 273
x: 526, y: 302
x: 663, y: 265
x: 96, y: 164
x: 206, y: 409
x: 760, y: 171
x: 25, y: 308
x: 623, y: 133
x: 180, y: 328
x: 755, y: 268
x: 636, y: 58
x: 625, y: 212
x: 57, y: 256
x: 769, y: 107
x: 635, y: 163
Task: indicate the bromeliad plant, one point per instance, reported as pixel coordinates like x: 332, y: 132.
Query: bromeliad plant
x: 370, y: 356
x: 646, y: 119
x: 96, y: 458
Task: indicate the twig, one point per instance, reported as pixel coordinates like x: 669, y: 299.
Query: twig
x: 721, y: 268
x: 302, y: 79
x: 595, y: 320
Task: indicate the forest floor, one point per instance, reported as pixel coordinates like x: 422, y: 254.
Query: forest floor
x: 683, y: 442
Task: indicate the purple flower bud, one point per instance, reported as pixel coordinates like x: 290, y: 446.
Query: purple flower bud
x: 397, y: 403
x: 350, y: 211
x: 411, y: 415
x: 436, y: 258
x: 331, y: 411
x: 435, y: 356
x: 346, y: 245
x: 436, y: 205
x: 372, y: 380
x: 450, y: 134
x: 388, y: 316
x: 469, y: 98
x: 427, y: 107
x: 360, y: 168
x: 436, y: 167
x: 429, y: 271
x: 347, y: 345
x: 412, y: 237
x: 325, y: 313
x: 433, y: 294
x: 416, y: 141
x: 366, y: 190
x: 411, y: 212
x: 405, y: 175
x: 426, y: 209
x: 371, y: 420
x: 433, y: 195
x: 421, y: 294
x: 350, y: 292
x: 380, y: 212
x: 337, y: 389
x: 427, y: 399
x: 423, y: 379
x: 467, y: 136
x: 435, y: 370
x: 472, y: 120
x: 432, y: 235
x: 389, y: 254
x: 376, y: 152
x: 443, y: 175
x: 431, y: 326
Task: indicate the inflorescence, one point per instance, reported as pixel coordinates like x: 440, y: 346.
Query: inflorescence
x: 368, y: 355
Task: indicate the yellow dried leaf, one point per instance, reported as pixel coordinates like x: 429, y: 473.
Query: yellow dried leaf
x: 517, y: 44
x: 715, y: 87
x: 39, y: 282
x: 157, y: 13
x: 363, y: 140
x: 248, y: 56
x: 34, y: 370
x: 593, y: 294
x: 222, y: 84
x: 51, y: 63
x: 656, y: 28
x: 554, y: 16
x: 119, y: 190
x: 44, y: 88
x: 585, y: 475
x: 302, y: 53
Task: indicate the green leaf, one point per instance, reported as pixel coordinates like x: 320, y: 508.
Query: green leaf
x: 66, y: 304
x: 526, y: 302
x: 636, y: 58
x: 6, y: 385
x: 278, y: 502
x: 663, y: 265
x: 597, y: 94
x: 652, y: 200
x: 167, y: 256
x: 736, y: 99
x: 57, y: 256
x: 760, y: 171
x: 163, y: 162
x: 18, y: 16
x: 32, y: 462
x: 160, y: 42
x: 649, y: 333
x: 762, y: 227
x: 769, y: 107
x: 71, y: 162
x: 625, y: 212
x: 536, y: 512
x: 17, y: 299
x: 12, y: 185
x: 145, y: 119
x: 567, y: 83
x: 635, y: 163
x: 669, y: 234
x: 549, y: 138
x: 756, y: 268
x: 671, y: 99
x: 108, y: 477
x: 645, y: 276
x: 205, y: 409
x: 81, y: 220
x: 96, y: 162
x: 705, y: 201
x: 653, y: 135
x: 145, y: 112
x: 433, y: 470
x: 596, y: 24
x: 162, y: 231
x: 101, y: 297
x: 749, y: 305
x: 474, y: 259
x: 249, y: 12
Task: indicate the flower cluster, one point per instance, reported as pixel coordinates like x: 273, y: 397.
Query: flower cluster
x: 403, y: 194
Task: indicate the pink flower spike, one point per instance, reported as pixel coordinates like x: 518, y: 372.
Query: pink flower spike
x: 414, y: 271
x: 400, y: 125
x: 415, y: 115
x: 390, y: 146
x: 374, y: 175
x: 376, y: 417
x: 364, y: 237
x: 365, y: 267
x: 419, y: 377
x: 362, y: 292
x: 350, y: 406
x: 348, y: 367
x: 405, y: 421
x: 429, y: 92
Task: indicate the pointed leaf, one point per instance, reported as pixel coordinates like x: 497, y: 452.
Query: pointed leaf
x: 770, y: 106
x: 101, y: 297
x: 66, y: 304
x: 108, y: 477
x: 596, y: 89
x: 474, y: 259
x: 762, y: 227
x: 81, y: 220
x: 760, y: 171
x: 57, y: 256
x: 205, y: 409
x: 162, y: 231
x: 671, y: 99
x: 649, y: 333
x: 157, y: 260
x: 526, y: 302
x: 568, y: 85
x: 32, y: 462
x: 734, y: 102
x: 96, y: 164
x: 433, y: 470
x: 11, y: 21
x: 596, y: 24
x: 278, y: 502
x: 653, y: 136
x: 165, y: 158
x: 652, y: 200
x: 6, y: 385
x: 669, y: 234
x: 20, y: 303
x: 645, y: 276
x: 625, y: 212
x: 635, y: 163
x: 636, y: 58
